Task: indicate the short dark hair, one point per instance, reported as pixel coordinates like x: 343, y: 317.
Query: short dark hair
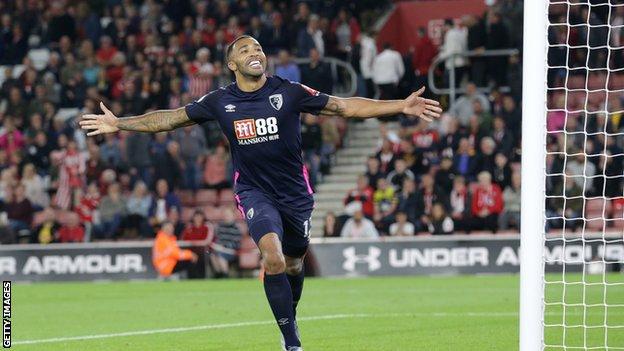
x: 230, y: 46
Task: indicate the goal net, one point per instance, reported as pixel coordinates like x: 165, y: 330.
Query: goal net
x: 577, y: 173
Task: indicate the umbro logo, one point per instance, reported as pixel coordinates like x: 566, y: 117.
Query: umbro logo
x: 230, y: 108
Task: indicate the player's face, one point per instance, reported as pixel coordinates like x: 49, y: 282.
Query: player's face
x: 248, y: 58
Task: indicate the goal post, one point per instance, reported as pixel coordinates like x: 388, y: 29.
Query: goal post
x: 535, y: 47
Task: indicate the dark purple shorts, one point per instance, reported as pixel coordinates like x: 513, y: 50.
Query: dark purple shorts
x: 264, y: 216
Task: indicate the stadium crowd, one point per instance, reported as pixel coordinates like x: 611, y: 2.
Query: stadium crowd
x: 61, y: 58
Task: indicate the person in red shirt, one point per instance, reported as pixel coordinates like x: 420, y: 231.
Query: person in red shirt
x: 424, y: 53
x: 487, y: 203
x: 198, y: 229
x: 364, y: 194
x: 72, y: 231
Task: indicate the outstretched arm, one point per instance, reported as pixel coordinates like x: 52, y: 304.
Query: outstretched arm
x: 357, y: 107
x: 151, y: 122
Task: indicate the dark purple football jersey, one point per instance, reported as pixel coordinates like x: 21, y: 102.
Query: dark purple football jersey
x: 264, y: 131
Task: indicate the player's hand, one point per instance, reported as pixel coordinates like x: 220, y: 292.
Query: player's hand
x: 100, y: 124
x: 424, y: 108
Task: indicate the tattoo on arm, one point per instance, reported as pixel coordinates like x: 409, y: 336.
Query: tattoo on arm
x: 335, y: 107
x: 156, y: 121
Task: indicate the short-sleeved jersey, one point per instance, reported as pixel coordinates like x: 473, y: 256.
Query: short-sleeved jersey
x: 264, y: 131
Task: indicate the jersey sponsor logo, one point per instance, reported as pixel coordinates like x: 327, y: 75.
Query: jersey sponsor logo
x: 245, y: 128
x: 250, y: 213
x: 310, y: 90
x: 276, y: 101
x: 253, y: 131
x: 230, y: 108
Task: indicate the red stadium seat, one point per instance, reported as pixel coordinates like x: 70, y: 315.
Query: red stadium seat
x: 187, y: 197
x: 187, y: 213
x: 226, y: 196
x: 206, y: 197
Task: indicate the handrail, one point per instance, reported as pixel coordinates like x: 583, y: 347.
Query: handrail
x: 451, y: 90
x: 334, y: 62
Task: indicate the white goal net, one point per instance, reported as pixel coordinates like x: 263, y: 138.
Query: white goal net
x: 582, y: 227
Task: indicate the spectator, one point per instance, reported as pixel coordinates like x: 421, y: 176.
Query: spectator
x: 167, y: 256
x: 286, y: 68
x: 461, y: 202
x: 85, y: 207
x: 455, y: 42
x: 169, y: 165
x: 71, y: 231
x: 71, y: 175
x: 228, y: 243
x: 311, y: 141
x: 487, y: 204
x: 424, y: 53
x: 476, y: 42
x: 317, y: 74
x: 216, y: 169
x: 463, y: 108
x: 429, y: 194
x: 331, y: 141
x: 386, y: 156
x: 502, y: 136
x: 501, y: 174
x: 409, y: 202
x: 110, y: 153
x: 368, y: 52
x: 497, y: 37
x: 162, y: 203
x: 112, y: 209
x: 440, y: 222
x: 330, y: 225
x: 19, y: 211
x: 484, y: 160
x: 388, y: 69
x: 310, y: 38
x: 511, y: 196
x: 385, y: 202
x: 137, y: 209
x: 34, y: 186
x: 138, y: 156
x: 359, y: 227
x: 47, y: 231
x: 363, y: 194
x: 192, y: 142
x: 346, y: 30
x: 174, y: 217
x: 445, y: 175
x: 373, y: 171
x: 199, y: 229
x: 399, y: 174
x: 402, y: 227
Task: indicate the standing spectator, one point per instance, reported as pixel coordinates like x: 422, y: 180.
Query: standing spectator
x: 346, y: 30
x: 476, y: 42
x: 368, y: 52
x: 286, y: 68
x: 359, y: 227
x: 73, y: 166
x: 192, y: 143
x: 487, y: 204
x: 440, y: 222
x: 310, y: 38
x: 111, y: 210
x: 461, y: 202
x: 424, y: 53
x: 317, y: 74
x: 455, y: 42
x: 511, y: 197
x: 228, y: 243
x: 497, y: 37
x: 137, y: 209
x: 402, y: 227
x: 388, y: 69
x: 363, y: 193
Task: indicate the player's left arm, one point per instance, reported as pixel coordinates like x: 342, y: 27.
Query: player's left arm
x: 357, y: 107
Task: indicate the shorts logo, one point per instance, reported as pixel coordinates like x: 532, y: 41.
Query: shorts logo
x: 245, y: 128
x: 276, y: 101
x: 250, y: 213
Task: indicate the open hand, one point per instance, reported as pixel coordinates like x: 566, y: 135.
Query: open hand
x: 424, y: 108
x: 99, y: 124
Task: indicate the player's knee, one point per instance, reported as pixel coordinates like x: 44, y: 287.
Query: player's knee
x: 294, y: 267
x: 274, y: 263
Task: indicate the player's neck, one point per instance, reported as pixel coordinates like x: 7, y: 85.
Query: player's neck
x: 250, y: 84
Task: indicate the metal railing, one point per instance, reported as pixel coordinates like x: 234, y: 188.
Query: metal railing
x: 341, y: 87
x: 452, y: 91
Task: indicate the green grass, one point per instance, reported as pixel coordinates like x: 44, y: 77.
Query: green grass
x: 411, y: 313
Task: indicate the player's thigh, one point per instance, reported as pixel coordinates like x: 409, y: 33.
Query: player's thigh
x: 260, y: 213
x: 296, y: 232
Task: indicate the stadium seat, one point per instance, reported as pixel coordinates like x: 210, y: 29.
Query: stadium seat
x: 206, y: 197
x: 187, y: 213
x: 187, y: 197
x: 226, y: 196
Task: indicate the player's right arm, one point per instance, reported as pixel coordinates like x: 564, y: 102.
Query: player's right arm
x: 151, y: 122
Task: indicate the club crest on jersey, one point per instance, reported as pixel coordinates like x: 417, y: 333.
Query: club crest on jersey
x: 230, y: 108
x: 250, y: 213
x: 276, y: 101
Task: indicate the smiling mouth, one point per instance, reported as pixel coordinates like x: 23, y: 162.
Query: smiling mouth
x: 255, y: 64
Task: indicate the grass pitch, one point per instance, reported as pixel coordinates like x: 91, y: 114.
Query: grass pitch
x: 402, y: 313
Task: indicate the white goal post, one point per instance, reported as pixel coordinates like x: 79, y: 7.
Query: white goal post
x: 572, y: 232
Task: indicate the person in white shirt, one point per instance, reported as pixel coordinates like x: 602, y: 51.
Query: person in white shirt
x: 455, y: 41
x: 368, y: 51
x: 402, y: 227
x: 388, y: 69
x: 359, y: 227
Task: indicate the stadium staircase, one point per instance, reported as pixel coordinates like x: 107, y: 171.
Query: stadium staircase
x: 361, y: 141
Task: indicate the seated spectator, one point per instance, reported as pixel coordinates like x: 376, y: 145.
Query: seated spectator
x: 402, y: 227
x: 461, y: 202
x: 363, y: 193
x: 440, y: 222
x: 431, y: 193
x: 162, y: 203
x: 46, y: 232
x: 386, y: 157
x: 137, y: 209
x: 464, y: 159
x: 359, y: 227
x: 503, y: 138
x: 331, y: 141
x: 71, y: 231
x: 445, y: 175
x: 463, y: 108
x: 501, y: 174
x: 174, y: 218
x: 112, y: 208
x: 373, y: 171
x: 198, y: 229
x: 566, y: 202
x: 487, y: 204
x: 228, y: 236
x: 511, y: 197
x: 385, y: 204
x: 167, y: 256
x: 484, y: 160
x: 409, y: 203
x: 400, y: 173
x: 215, y: 170
x: 330, y: 225
x: 34, y: 187
x: 19, y: 212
